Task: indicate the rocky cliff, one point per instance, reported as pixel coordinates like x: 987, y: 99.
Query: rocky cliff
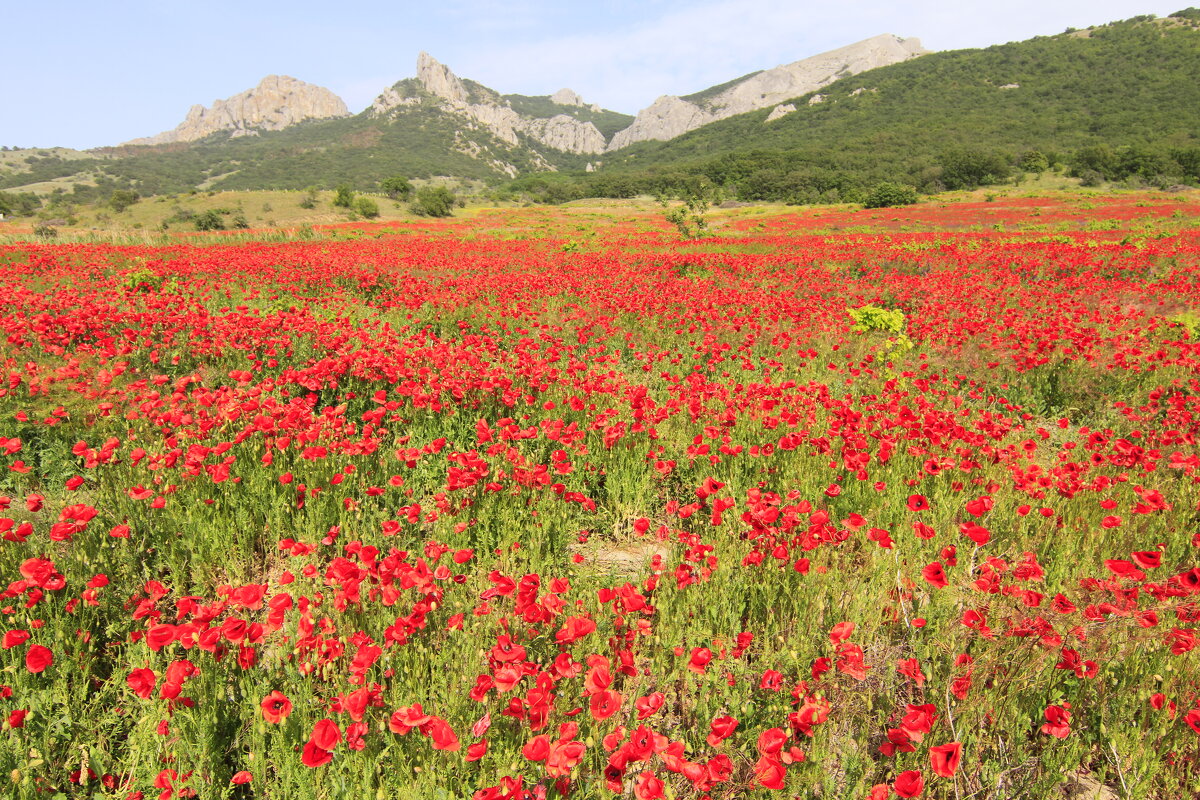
x: 671, y: 116
x: 487, y: 108
x: 277, y: 102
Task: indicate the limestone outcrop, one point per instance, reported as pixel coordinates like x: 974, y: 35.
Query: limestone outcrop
x: 489, y: 109
x: 671, y: 116
x: 277, y: 102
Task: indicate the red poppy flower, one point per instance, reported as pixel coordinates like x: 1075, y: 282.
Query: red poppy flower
x: 142, y: 682
x: 313, y: 756
x: 841, y: 632
x: 326, y: 734
x: 909, y: 784
x: 722, y: 728
x: 769, y: 772
x: 38, y: 658
x: 1058, y: 720
x: 945, y: 758
x: 699, y: 660
x: 276, y: 707
x: 648, y: 787
x: 918, y: 502
x: 935, y: 575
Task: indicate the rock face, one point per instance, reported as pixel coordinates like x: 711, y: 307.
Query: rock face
x: 780, y: 111
x: 277, y: 102
x: 489, y: 109
x: 670, y: 116
x: 566, y: 97
x: 666, y: 118
x: 439, y: 80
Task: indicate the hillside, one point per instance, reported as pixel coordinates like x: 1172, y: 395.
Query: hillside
x: 1126, y: 85
x: 1116, y: 102
x: 435, y: 124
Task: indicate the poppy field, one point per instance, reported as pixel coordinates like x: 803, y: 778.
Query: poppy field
x: 551, y: 502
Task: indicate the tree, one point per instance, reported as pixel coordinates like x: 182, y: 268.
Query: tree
x: 886, y: 195
x: 1034, y: 161
x: 396, y: 187
x: 343, y: 196
x: 698, y: 195
x: 121, y: 199
x: 366, y: 207
x: 310, y: 198
x: 433, y: 201
x: 210, y: 221
x: 968, y: 169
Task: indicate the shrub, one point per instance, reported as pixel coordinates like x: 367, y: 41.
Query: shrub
x: 122, y: 199
x: 210, y: 221
x: 874, y: 318
x: 434, y: 201
x: 396, y: 187
x: 343, y: 196
x: 366, y: 207
x: 888, y: 194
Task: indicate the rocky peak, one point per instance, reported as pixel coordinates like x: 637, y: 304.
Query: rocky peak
x: 439, y: 81
x: 785, y: 82
x: 672, y: 116
x: 485, y: 107
x: 665, y: 118
x: 277, y: 102
x: 567, y: 97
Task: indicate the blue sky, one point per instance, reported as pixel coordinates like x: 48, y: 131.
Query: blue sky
x: 86, y: 74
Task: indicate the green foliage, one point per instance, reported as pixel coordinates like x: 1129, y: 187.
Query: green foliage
x: 310, y: 198
x: 121, y: 199
x: 396, y: 187
x: 542, y: 107
x: 20, y: 204
x: 886, y: 194
x: 210, y: 220
x: 45, y: 230
x: 1129, y: 84
x: 343, y: 196
x: 366, y: 207
x: 964, y: 168
x: 1191, y: 12
x: 1034, y: 161
x: 690, y: 218
x: 874, y: 318
x: 433, y: 201
x: 1189, y: 321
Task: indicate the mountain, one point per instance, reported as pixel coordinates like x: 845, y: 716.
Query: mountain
x: 1121, y: 100
x: 671, y: 116
x: 276, y: 103
x: 555, y: 124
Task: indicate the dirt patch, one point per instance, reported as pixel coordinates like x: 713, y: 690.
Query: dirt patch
x: 628, y: 559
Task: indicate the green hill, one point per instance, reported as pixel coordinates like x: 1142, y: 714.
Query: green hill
x: 1117, y: 102
x: 1121, y: 99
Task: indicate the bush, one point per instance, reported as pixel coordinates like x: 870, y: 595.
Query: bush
x: 396, y: 187
x: 366, y: 207
x: 434, y: 201
x: 343, y: 196
x: 886, y: 195
x: 210, y: 221
x: 969, y: 169
x: 122, y: 199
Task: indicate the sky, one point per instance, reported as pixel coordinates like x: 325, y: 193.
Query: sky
x: 89, y: 74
